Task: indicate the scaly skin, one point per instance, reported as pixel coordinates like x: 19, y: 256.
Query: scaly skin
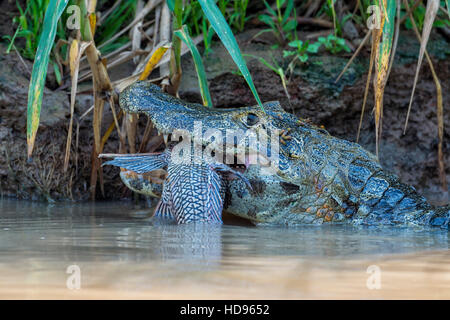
x: 319, y: 178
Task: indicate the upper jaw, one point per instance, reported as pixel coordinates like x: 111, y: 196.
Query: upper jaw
x: 172, y: 116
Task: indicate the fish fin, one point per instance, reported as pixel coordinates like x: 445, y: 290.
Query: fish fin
x: 195, y: 193
x: 140, y: 164
x: 216, y: 195
x: 163, y: 210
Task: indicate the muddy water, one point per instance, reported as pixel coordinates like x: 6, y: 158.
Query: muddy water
x: 113, y: 251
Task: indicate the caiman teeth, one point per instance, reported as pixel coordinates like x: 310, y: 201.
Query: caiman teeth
x: 166, y: 138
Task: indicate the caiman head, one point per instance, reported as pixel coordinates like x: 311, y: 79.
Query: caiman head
x: 293, y: 153
x: 248, y: 133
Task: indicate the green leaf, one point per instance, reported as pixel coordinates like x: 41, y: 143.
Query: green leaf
x: 290, y: 25
x: 269, y: 8
x: 340, y: 42
x: 295, y: 43
x: 287, y: 53
x: 211, y: 34
x: 304, y: 46
x: 171, y: 4
x: 37, y: 82
x: 314, y: 47
x: 388, y: 32
x: 287, y: 11
x: 263, y: 61
x: 223, y: 30
x: 303, y: 57
x: 439, y: 24
x: 183, y: 34
x: 267, y: 20
x: 58, y: 75
x: 24, y: 33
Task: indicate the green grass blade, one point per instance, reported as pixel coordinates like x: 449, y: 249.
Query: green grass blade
x: 264, y: 62
x: 39, y: 73
x: 388, y: 9
x: 287, y: 11
x: 218, y: 22
x: 183, y: 34
x: 269, y: 8
x: 171, y: 4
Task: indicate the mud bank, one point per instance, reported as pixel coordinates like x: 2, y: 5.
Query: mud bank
x: 313, y: 95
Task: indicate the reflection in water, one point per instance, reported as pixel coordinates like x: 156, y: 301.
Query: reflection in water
x: 124, y: 254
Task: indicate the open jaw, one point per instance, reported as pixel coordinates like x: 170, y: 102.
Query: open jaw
x: 205, y: 126
x: 218, y: 143
x: 188, y: 193
x: 236, y: 150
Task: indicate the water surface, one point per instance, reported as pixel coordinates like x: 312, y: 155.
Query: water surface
x: 121, y: 253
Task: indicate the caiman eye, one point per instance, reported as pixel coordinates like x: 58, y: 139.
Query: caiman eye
x: 252, y: 119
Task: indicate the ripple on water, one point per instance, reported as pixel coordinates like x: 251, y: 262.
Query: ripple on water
x: 122, y: 256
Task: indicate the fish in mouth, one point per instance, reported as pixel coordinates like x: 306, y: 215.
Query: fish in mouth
x: 192, y: 191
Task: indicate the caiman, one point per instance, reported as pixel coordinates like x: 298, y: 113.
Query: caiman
x: 317, y: 178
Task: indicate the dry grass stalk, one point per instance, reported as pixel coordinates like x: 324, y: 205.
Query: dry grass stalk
x: 439, y: 106
x: 164, y: 35
x: 361, y: 45
x: 151, y: 4
x: 380, y: 79
x: 136, y: 37
x: 432, y: 8
x: 74, y: 57
x: 366, y: 90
